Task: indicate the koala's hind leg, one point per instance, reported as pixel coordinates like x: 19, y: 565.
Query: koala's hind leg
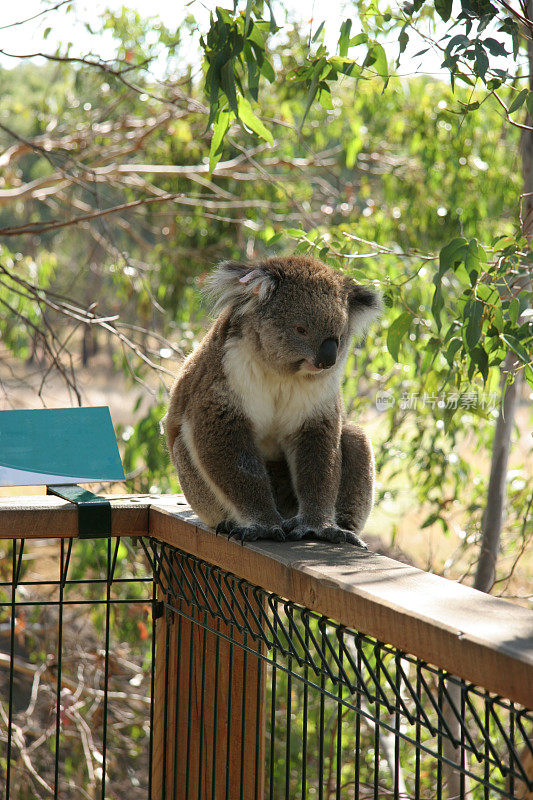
x: 198, y: 494
x: 356, y: 490
x: 282, y: 488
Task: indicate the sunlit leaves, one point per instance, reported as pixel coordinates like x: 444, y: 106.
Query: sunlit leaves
x: 248, y: 118
x: 314, y: 79
x: 517, y: 347
x: 318, y: 31
x: 344, y: 37
x: 473, y: 313
x: 452, y: 254
x: 234, y: 50
x: 377, y: 59
x: 397, y: 331
x: 453, y: 347
x: 220, y: 127
x: 488, y: 319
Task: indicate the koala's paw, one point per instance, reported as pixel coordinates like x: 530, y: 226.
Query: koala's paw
x: 296, y: 529
x: 225, y: 527
x: 331, y: 533
x: 251, y: 533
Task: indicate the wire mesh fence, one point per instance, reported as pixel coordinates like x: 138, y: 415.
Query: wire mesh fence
x: 75, y: 669
x: 332, y: 713
x: 233, y: 693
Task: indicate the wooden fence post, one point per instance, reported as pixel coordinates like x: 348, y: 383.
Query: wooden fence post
x: 209, y: 707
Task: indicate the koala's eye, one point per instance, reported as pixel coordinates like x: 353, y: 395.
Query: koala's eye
x: 301, y: 330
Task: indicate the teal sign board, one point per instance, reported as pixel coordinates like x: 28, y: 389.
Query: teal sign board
x: 58, y: 446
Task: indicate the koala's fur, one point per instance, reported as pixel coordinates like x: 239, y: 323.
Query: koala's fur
x: 256, y: 430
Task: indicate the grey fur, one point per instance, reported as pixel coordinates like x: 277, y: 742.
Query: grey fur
x: 258, y: 433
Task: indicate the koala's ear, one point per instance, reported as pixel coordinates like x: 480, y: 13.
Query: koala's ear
x: 365, y: 305
x: 241, y: 286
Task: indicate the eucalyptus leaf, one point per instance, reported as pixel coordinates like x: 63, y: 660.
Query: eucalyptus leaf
x: 344, y: 38
x: 248, y: 118
x: 519, y: 100
x: 220, y: 129
x: 473, y: 319
x: 517, y: 348
x: 397, y: 332
x: 452, y: 253
x: 444, y: 9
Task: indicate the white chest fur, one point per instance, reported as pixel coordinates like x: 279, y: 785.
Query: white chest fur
x: 276, y: 405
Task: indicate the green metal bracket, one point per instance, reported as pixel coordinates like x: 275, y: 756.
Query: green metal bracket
x: 94, y: 512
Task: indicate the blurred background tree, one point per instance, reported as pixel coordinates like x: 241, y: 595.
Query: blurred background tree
x: 125, y: 179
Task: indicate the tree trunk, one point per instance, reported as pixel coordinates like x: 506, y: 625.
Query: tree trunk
x: 494, y: 510
x: 495, y: 507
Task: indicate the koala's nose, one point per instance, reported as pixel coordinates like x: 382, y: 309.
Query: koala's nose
x: 327, y: 354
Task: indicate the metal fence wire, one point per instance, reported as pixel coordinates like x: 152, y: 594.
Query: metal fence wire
x: 134, y: 670
x: 76, y: 651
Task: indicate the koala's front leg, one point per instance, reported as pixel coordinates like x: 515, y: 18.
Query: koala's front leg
x: 315, y: 461
x: 221, y: 443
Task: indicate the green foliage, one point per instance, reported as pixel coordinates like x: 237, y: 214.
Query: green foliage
x: 490, y: 311
x: 236, y: 58
x: 20, y: 315
x: 145, y: 447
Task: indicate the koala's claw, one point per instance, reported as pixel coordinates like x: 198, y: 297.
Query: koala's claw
x: 331, y: 533
x: 251, y: 533
x: 225, y: 527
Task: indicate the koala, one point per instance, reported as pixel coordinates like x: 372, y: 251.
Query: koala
x: 256, y: 426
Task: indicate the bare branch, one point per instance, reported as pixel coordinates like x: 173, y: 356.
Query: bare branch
x: 36, y: 16
x: 509, y: 119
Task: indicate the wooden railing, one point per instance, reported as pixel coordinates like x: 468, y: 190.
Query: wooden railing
x: 480, y: 639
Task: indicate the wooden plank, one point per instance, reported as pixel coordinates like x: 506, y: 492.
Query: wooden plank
x: 209, y: 707
x: 45, y: 517
x: 480, y: 638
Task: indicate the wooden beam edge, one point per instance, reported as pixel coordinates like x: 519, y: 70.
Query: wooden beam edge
x: 503, y: 668
x: 49, y: 517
